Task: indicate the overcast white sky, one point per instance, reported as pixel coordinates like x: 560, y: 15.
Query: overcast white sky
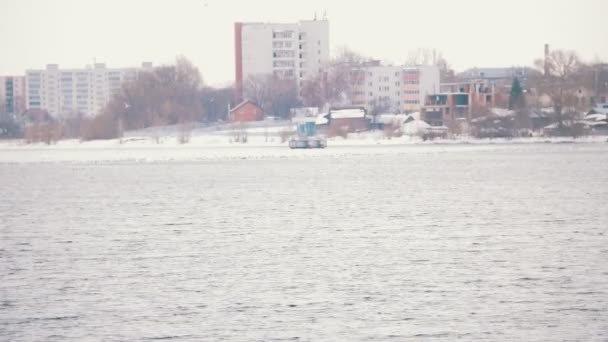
x: 470, y: 33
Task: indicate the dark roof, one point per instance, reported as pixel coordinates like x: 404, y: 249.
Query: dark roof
x: 495, y: 73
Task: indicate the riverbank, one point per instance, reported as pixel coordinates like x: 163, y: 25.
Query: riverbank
x: 260, y: 139
x: 209, y: 148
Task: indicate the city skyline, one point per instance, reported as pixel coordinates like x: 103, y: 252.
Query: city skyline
x: 76, y: 33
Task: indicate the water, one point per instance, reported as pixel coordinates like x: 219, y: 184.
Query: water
x: 401, y: 243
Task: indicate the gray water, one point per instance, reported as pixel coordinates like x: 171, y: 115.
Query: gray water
x: 408, y: 244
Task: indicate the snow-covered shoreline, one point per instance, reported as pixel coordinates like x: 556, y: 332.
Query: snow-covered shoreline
x: 224, y: 140
x: 219, y: 148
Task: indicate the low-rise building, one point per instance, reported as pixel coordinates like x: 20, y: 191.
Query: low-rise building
x: 459, y: 102
x: 348, y: 120
x: 246, y: 111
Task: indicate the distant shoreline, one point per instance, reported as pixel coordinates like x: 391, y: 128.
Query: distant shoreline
x: 220, y: 140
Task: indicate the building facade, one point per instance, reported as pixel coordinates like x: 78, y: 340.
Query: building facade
x: 64, y: 92
x: 246, y: 111
x: 12, y: 94
x: 458, y: 102
x: 394, y: 89
x: 294, y: 51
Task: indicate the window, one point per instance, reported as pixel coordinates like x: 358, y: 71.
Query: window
x: 283, y: 54
x: 282, y: 34
x: 283, y: 64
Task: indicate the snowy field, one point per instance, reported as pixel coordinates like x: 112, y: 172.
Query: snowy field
x: 219, y: 143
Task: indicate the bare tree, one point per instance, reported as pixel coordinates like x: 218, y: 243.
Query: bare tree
x: 563, y: 76
x: 274, y: 95
x: 429, y: 56
x: 258, y: 88
x: 424, y: 56
x: 216, y: 102
x: 167, y: 95
x: 336, y: 83
x: 381, y: 106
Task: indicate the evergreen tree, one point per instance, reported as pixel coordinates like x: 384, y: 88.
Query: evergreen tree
x: 516, y: 98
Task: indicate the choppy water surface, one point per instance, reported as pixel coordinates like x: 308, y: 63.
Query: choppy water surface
x: 412, y: 243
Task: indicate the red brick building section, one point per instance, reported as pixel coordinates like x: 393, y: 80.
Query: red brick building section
x: 246, y: 111
x: 238, y: 59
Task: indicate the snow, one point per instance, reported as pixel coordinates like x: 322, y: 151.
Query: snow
x: 347, y: 113
x: 322, y: 119
x: 415, y: 127
x: 502, y: 112
x: 597, y: 117
x: 396, y: 119
x: 214, y: 144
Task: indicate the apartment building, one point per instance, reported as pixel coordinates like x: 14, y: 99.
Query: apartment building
x: 293, y: 51
x: 394, y: 89
x: 63, y: 92
x: 12, y: 94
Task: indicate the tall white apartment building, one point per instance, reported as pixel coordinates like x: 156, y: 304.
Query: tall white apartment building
x: 64, y: 92
x: 394, y: 89
x: 12, y: 94
x: 293, y: 51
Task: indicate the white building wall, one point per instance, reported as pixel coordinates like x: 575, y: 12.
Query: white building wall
x: 257, y: 49
x: 383, y: 86
x: 429, y: 81
x: 315, y: 37
x: 288, y: 51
